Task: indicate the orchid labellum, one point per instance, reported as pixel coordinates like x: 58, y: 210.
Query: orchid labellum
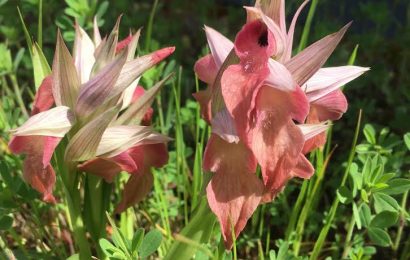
x: 266, y: 108
x: 92, y: 98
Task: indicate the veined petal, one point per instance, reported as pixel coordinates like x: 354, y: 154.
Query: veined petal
x: 220, y: 45
x: 40, y: 178
x: 66, y: 82
x: 97, y: 35
x: 83, y: 54
x: 137, y: 110
x: 234, y: 191
x: 206, y: 69
x: 129, y: 93
x: 118, y: 139
x: 327, y: 80
x: 306, y: 63
x: 204, y: 99
x: 123, y: 43
x: 132, y: 70
x: 275, y: 9
x: 289, y: 42
x: 54, y: 122
x: 311, y: 130
x: 96, y: 91
x: 44, y: 99
x: 331, y: 106
x: 84, y: 143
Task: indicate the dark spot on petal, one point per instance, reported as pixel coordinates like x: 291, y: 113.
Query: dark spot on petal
x: 263, y: 39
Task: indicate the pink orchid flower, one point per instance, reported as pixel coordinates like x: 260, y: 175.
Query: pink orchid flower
x: 89, y: 89
x: 253, y: 98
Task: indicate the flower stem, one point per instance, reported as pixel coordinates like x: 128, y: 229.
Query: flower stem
x: 402, y: 222
x: 349, y: 235
x: 332, y: 213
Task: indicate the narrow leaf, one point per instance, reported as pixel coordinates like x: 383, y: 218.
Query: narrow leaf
x: 40, y: 65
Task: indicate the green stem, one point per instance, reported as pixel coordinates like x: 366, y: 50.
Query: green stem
x: 308, y: 24
x: 198, y: 230
x: 349, y: 235
x: 149, y: 27
x: 19, y: 97
x: 330, y: 217
x: 402, y: 222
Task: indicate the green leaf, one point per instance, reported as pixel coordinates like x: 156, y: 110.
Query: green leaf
x: 74, y: 257
x: 384, y: 219
x: 117, y: 237
x: 383, y: 202
x: 137, y: 239
x: 107, y: 247
x: 363, y: 195
x: 365, y: 214
x: 379, y: 236
x: 150, y: 243
x: 367, y: 170
x: 406, y: 138
x: 397, y: 186
x: 344, y: 195
x: 369, y: 133
x: 356, y: 216
x: 40, y: 65
x: 6, y: 222
x: 356, y: 176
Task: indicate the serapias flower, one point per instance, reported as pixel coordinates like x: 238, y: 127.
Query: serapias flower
x: 99, y: 103
x: 256, y: 92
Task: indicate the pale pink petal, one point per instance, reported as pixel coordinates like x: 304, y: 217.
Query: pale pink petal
x: 224, y: 126
x: 299, y: 105
x: 280, y: 77
x: 331, y: 107
x: 206, y: 69
x: 275, y: 9
x: 327, y: 80
x: 83, y: 54
x: 220, y: 45
x: 313, y: 138
x: 44, y: 99
x: 307, y: 62
x: 234, y: 191
x: 289, y: 43
x: 40, y: 178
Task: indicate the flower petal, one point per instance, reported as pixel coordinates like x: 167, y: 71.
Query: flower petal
x: 303, y: 168
x: 140, y: 184
x: 102, y: 167
x: 306, y: 63
x: 96, y: 91
x: 97, y: 35
x: 289, y: 42
x: 206, y: 69
x: 234, y: 191
x: 136, y: 111
x: 275, y: 9
x: 83, y: 145
x: 276, y: 140
x: 37, y: 170
x: 331, y: 107
x: 280, y: 77
x: 327, y: 80
x: 54, y: 122
x: 220, y: 45
x: 44, y: 99
x: 83, y: 54
x: 66, y: 82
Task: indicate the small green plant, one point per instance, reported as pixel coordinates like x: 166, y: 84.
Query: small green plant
x: 139, y: 247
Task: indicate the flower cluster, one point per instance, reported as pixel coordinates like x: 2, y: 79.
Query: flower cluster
x: 266, y: 108
x: 92, y: 99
